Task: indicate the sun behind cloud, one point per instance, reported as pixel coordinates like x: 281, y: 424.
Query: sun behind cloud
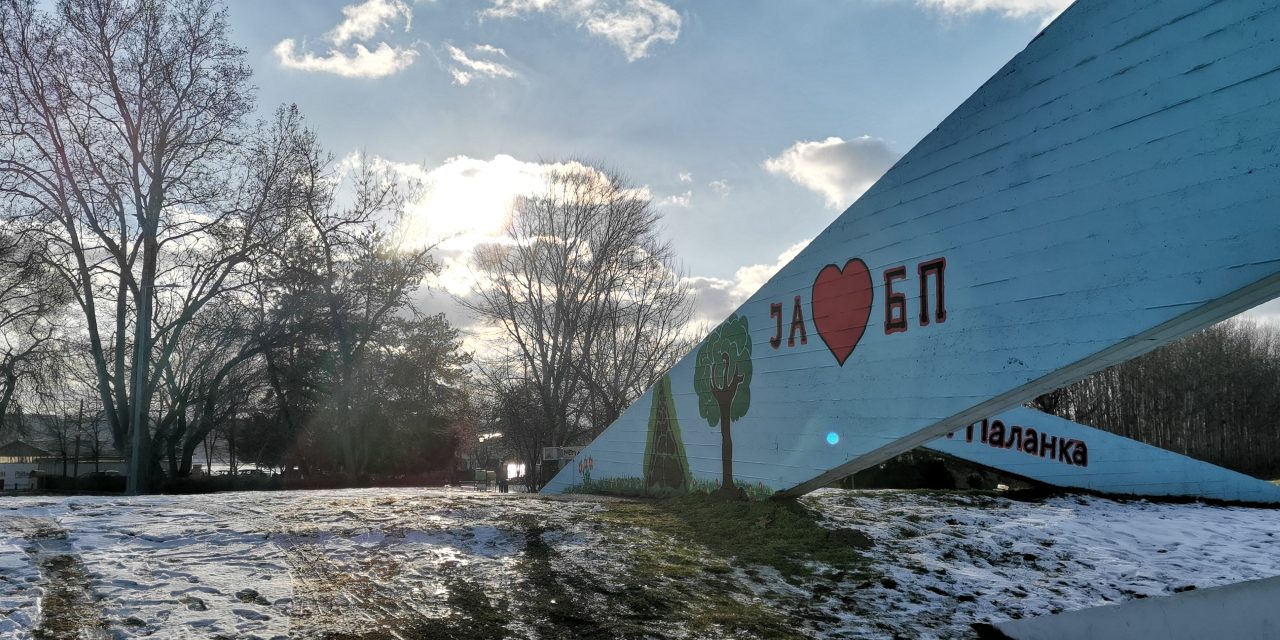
x: 466, y: 202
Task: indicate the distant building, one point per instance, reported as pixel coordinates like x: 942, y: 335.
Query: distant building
x: 21, y: 463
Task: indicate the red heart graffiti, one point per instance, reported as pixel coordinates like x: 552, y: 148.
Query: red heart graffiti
x: 841, y: 304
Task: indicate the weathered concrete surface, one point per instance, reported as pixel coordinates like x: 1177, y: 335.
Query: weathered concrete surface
x: 1112, y: 464
x: 1243, y: 611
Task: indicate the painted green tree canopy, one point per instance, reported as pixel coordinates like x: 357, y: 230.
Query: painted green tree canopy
x: 722, y: 373
x: 722, y: 379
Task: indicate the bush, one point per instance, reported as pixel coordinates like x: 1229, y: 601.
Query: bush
x: 213, y: 484
x: 93, y: 483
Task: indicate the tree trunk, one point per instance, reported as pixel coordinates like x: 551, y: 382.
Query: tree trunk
x: 231, y: 446
x: 10, y: 383
x: 184, y: 467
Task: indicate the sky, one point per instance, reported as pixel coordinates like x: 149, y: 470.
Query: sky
x: 752, y: 124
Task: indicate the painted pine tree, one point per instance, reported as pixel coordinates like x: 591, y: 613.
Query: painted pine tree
x: 665, y: 464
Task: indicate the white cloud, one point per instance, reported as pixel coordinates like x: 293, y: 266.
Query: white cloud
x: 684, y: 200
x: 365, y: 20
x: 1268, y: 312
x: 716, y: 298
x: 467, y: 69
x: 750, y: 278
x: 840, y: 170
x: 383, y: 61
x: 631, y: 25
x: 1046, y: 9
x: 721, y: 187
x: 361, y: 23
x: 488, y: 48
x: 684, y: 176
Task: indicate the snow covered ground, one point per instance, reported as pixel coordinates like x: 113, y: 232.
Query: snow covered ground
x: 958, y: 559
x: 397, y: 563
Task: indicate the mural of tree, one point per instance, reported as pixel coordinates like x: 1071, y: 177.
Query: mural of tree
x: 665, y: 464
x: 722, y: 379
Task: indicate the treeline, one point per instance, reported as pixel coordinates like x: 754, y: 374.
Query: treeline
x: 176, y: 273
x: 1213, y: 396
x: 183, y: 271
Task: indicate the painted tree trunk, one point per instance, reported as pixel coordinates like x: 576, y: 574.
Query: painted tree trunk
x: 726, y: 450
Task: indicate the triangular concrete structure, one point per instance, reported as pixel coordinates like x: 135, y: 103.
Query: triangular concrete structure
x: 1045, y: 448
x: 1116, y: 185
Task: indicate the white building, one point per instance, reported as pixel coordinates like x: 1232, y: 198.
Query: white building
x: 22, y: 462
x: 19, y: 462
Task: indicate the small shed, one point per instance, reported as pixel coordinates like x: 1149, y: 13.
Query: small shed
x: 18, y: 462
x: 19, y: 451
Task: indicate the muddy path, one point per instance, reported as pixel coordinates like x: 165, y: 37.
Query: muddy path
x: 68, y: 608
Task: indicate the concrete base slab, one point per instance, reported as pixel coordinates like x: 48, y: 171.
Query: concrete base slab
x: 1242, y: 611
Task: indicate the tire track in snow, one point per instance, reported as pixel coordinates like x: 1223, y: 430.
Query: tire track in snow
x: 67, y: 604
x: 355, y: 570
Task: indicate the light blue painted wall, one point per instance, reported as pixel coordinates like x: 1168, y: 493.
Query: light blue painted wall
x: 1115, y: 464
x: 1120, y: 174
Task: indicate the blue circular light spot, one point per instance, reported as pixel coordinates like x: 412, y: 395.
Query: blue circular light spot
x: 833, y: 438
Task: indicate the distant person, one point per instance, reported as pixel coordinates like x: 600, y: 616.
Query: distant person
x: 502, y: 478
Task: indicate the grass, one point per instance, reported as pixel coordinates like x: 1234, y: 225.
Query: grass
x: 685, y: 561
x: 781, y: 534
x: 681, y: 574
x: 473, y: 617
x: 670, y: 580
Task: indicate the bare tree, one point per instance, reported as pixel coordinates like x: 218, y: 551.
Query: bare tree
x: 215, y: 367
x: 587, y: 302
x: 124, y: 148
x: 33, y: 310
x: 642, y: 332
x: 1213, y: 395
x: 94, y: 437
